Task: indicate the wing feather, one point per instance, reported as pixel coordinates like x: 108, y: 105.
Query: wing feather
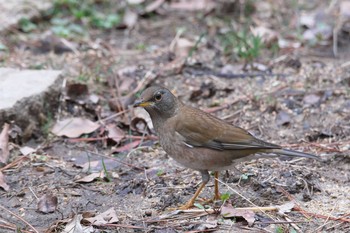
x: 205, y: 130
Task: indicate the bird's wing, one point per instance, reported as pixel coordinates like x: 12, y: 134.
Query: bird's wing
x: 205, y: 130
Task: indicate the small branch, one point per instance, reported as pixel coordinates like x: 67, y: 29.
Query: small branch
x: 21, y: 219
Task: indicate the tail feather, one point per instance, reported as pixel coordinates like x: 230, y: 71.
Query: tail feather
x: 293, y: 153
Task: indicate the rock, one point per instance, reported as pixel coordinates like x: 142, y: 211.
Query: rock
x: 14, y: 10
x: 29, y: 98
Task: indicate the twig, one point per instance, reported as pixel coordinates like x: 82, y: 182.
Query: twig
x: 13, y: 228
x: 14, y: 163
x: 115, y: 159
x: 120, y: 225
x: 21, y: 219
x: 255, y: 206
x: 308, y: 215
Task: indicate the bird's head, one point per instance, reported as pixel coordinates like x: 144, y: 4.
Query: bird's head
x: 158, y: 101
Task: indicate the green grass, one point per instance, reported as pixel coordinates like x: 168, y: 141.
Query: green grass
x: 242, y: 45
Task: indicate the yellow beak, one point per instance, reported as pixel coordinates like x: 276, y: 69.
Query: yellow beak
x: 143, y: 104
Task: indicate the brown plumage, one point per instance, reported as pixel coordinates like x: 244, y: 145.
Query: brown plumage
x: 201, y: 141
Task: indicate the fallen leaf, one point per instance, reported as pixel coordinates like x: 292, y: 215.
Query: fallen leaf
x: 92, y: 177
x: 283, y: 118
x: 4, y: 147
x: 153, y: 6
x: 311, y: 99
x: 142, y: 114
x: 183, y: 47
x: 345, y: 9
x: 194, y: 5
x: 115, y: 133
x: 26, y: 150
x: 74, y: 127
x: 134, y: 2
x: 75, y: 90
x: 130, y: 19
x: 267, y: 35
x: 127, y: 147
x: 95, y: 166
x: 47, y: 203
x: 229, y: 212
x: 109, y: 216
x: 286, y: 208
x: 3, y: 182
x: 75, y: 226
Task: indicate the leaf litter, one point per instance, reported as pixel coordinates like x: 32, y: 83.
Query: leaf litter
x: 253, y: 104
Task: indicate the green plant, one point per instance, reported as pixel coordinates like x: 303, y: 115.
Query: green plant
x: 242, y: 45
x: 225, y: 196
x: 26, y: 25
x: 107, y: 177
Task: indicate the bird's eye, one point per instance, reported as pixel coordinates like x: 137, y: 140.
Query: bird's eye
x: 158, y: 96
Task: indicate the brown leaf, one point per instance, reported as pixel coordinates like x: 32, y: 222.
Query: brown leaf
x: 3, y: 182
x: 311, y: 99
x: 74, y: 127
x: 47, y: 203
x: 286, y: 208
x: 4, y: 147
x: 26, y: 150
x: 153, y: 6
x: 194, y: 5
x: 92, y: 177
x: 115, y: 133
x: 283, y: 118
x: 128, y: 147
x: 109, y: 216
x: 75, y: 90
x: 130, y: 19
x: 74, y: 226
x: 229, y: 212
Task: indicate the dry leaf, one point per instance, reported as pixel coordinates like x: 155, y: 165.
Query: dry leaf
x: 47, y: 203
x: 134, y: 2
x: 228, y: 212
x: 115, y: 133
x: 26, y: 150
x: 74, y: 127
x: 311, y: 99
x: 130, y: 19
x: 127, y: 147
x: 267, y: 35
x: 75, y: 226
x: 283, y: 118
x: 109, y: 216
x: 153, y: 6
x: 194, y: 5
x: 92, y: 177
x: 183, y: 47
x: 3, y: 182
x: 75, y: 90
x: 4, y: 147
x: 286, y: 208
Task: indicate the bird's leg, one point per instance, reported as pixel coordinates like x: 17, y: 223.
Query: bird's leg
x: 190, y: 203
x: 217, y: 195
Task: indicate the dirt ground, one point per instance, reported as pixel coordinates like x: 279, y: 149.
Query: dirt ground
x: 299, y: 99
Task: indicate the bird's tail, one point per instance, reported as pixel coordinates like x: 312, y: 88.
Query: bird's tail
x: 293, y: 153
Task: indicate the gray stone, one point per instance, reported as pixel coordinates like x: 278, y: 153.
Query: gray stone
x: 12, y: 11
x: 28, y: 98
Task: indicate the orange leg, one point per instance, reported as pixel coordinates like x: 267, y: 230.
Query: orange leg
x: 205, y: 180
x: 190, y: 202
x: 217, y: 195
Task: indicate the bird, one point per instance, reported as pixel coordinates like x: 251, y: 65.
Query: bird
x: 201, y: 141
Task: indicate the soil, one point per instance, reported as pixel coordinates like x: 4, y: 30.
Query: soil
x: 302, y: 104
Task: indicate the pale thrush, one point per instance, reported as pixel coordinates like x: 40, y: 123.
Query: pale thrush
x: 201, y: 141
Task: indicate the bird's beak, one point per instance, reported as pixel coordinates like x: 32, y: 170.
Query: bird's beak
x: 143, y: 104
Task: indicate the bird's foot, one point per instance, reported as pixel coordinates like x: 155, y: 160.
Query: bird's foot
x: 187, y: 206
